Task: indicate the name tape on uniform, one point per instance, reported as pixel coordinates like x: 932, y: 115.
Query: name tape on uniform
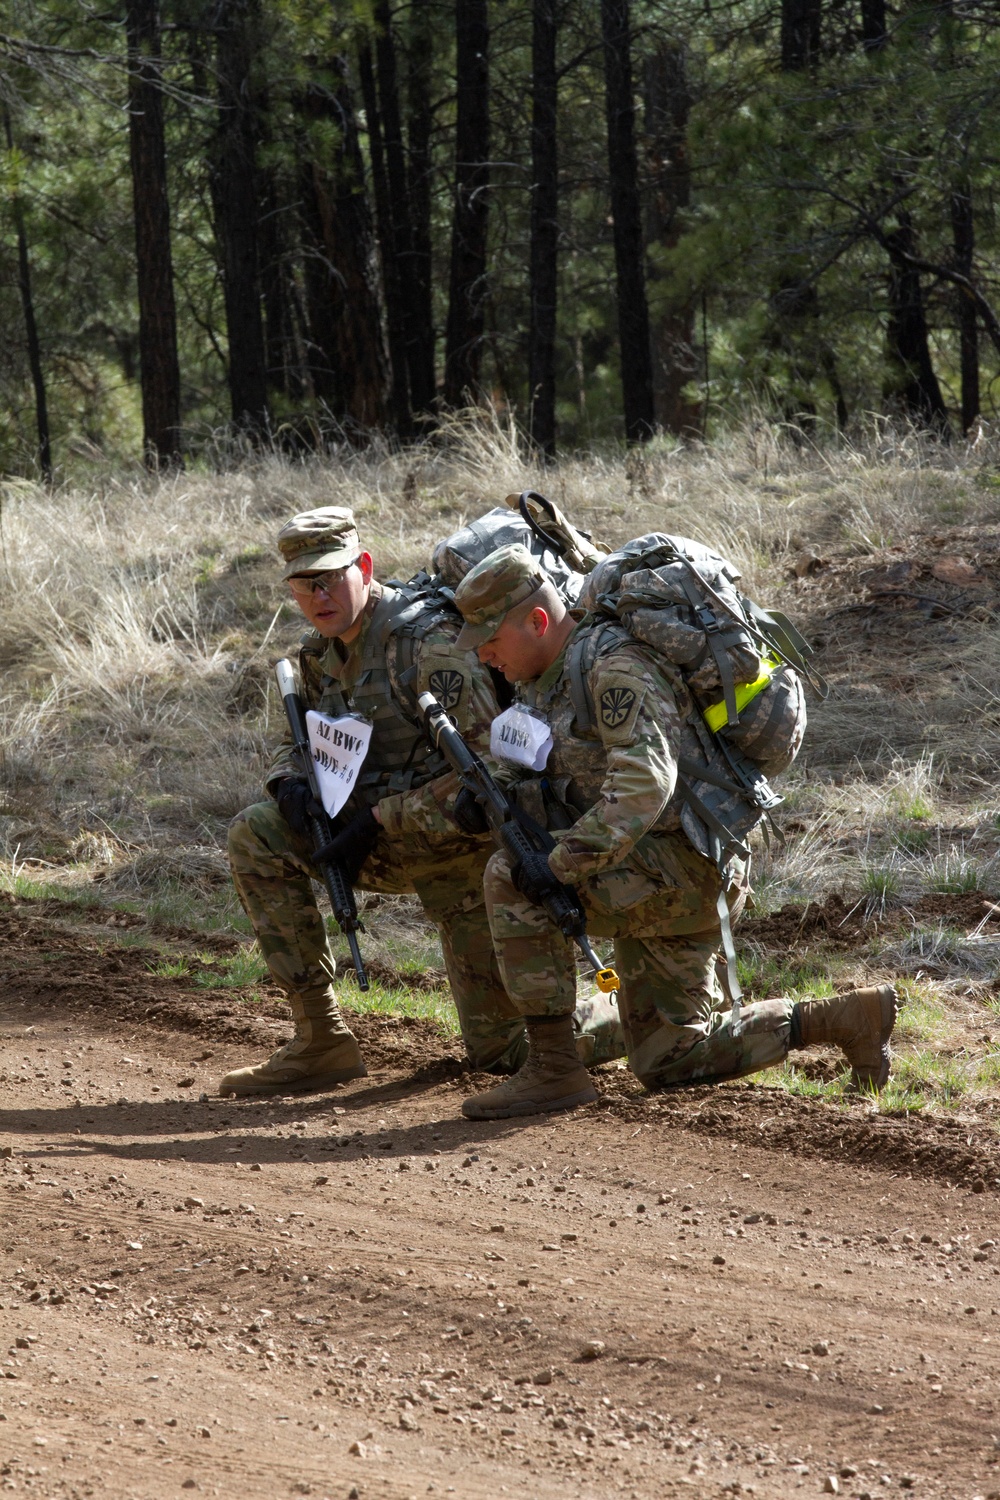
x: 522, y: 738
x: 339, y: 747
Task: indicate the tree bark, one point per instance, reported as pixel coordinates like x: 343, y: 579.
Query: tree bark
x: 159, y: 367
x: 399, y: 390
x: 421, y: 395
x: 420, y: 123
x: 544, y: 229
x: 915, y: 385
x: 633, y: 311
x: 347, y: 355
x: 675, y: 362
x: 800, y: 34
x: 235, y: 199
x: 467, y: 289
x: 276, y: 251
x: 963, y: 238
x: 30, y: 325
x: 874, y: 33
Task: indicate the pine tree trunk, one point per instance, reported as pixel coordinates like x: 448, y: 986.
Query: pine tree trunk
x: 675, y: 362
x: 420, y: 123
x: 235, y: 199
x: 30, y: 325
x: 399, y: 391
x: 276, y: 253
x: 283, y: 374
x: 873, y: 25
x: 633, y: 312
x: 347, y: 355
x: 963, y: 238
x: 467, y: 280
x: 915, y: 385
x: 544, y: 229
x: 800, y: 34
x: 159, y: 368
x: 399, y: 203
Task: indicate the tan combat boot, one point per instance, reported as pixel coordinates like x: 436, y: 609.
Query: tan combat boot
x: 860, y: 1022
x: 552, y: 1077
x: 323, y: 1052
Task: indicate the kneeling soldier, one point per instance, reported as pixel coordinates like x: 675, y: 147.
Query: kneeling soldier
x: 608, y: 798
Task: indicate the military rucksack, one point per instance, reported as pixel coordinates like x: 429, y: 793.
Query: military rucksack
x: 740, y: 663
x: 564, y: 552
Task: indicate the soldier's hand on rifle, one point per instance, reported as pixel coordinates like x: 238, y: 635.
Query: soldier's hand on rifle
x: 533, y: 878
x: 468, y: 812
x: 297, y: 805
x: 353, y: 844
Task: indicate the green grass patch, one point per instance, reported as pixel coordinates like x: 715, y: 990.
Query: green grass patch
x: 956, y: 873
x: 171, y: 968
x: 30, y: 886
x: 238, y: 971
x: 394, y: 1002
x: 177, y: 904
x: 794, y: 1080
x: 914, y: 807
x: 766, y: 976
x: 923, y: 1017
x: 879, y: 885
x: 941, y: 1082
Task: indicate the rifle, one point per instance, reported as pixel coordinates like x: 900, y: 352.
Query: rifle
x: 562, y: 907
x: 338, y: 889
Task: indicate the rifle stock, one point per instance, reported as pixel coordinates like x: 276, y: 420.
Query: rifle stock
x: 563, y: 907
x: 338, y: 888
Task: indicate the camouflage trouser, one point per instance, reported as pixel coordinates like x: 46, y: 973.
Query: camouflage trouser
x: 273, y: 878
x: 677, y: 1020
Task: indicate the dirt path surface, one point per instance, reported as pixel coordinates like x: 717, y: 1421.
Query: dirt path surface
x: 362, y: 1294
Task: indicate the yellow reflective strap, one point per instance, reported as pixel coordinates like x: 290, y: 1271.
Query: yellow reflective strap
x: 607, y: 981
x: 715, y: 716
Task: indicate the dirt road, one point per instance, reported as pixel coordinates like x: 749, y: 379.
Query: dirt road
x: 363, y: 1294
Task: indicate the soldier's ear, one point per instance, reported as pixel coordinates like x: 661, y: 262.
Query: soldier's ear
x: 539, y: 621
x: 366, y: 566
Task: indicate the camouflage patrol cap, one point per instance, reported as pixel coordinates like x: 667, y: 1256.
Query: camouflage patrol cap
x: 318, y: 540
x: 492, y: 589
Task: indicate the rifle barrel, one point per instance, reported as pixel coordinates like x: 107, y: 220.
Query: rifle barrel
x: 563, y: 909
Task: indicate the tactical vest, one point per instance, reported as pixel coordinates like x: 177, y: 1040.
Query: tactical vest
x: 400, y: 756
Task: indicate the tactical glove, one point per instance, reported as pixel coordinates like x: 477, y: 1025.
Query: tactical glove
x: 468, y: 812
x: 351, y: 846
x: 297, y: 806
x: 533, y: 878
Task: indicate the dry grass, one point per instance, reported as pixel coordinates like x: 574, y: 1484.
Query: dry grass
x: 139, y: 618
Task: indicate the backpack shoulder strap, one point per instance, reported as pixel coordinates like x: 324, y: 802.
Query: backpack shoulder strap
x: 415, y: 617
x: 579, y: 664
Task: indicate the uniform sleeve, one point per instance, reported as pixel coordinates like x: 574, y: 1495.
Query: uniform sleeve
x: 283, y: 762
x: 637, y: 719
x: 463, y: 686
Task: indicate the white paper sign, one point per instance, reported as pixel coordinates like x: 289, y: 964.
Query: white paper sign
x: 339, y: 747
x: 522, y: 738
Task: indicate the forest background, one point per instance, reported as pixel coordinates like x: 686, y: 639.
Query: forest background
x: 304, y: 220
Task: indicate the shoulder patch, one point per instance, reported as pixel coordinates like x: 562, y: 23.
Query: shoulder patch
x: 616, y: 705
x: 446, y: 683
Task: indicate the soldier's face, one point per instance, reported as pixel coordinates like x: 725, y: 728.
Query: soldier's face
x: 338, y: 609
x: 520, y: 649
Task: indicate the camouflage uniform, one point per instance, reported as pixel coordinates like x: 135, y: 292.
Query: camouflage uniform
x: 607, y: 796
x: 419, y: 848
